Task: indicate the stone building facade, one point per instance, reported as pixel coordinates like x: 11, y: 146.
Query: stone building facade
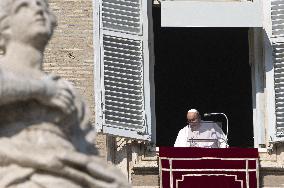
x: 70, y: 54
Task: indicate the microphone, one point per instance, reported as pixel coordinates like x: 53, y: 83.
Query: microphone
x: 210, y: 114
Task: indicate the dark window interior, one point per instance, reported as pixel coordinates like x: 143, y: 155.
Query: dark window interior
x: 203, y: 68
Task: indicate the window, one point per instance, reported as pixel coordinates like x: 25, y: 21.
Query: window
x: 124, y: 64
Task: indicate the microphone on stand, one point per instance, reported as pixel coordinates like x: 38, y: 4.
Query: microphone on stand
x: 227, y: 121
x: 210, y: 114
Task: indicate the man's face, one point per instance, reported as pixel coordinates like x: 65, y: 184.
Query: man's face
x: 193, y: 118
x: 30, y: 20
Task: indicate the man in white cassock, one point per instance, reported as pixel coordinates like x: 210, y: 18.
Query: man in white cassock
x: 200, y: 133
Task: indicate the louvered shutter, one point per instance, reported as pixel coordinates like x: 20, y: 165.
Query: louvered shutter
x: 277, y: 16
x: 123, y: 59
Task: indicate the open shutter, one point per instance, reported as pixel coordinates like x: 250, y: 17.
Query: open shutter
x: 122, y: 59
x: 279, y: 87
x: 277, y: 16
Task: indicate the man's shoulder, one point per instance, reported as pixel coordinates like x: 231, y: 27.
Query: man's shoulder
x: 183, y: 129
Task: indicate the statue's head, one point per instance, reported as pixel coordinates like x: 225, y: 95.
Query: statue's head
x: 26, y: 21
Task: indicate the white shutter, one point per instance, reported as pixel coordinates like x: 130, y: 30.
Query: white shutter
x: 277, y: 17
x: 122, y: 15
x: 279, y: 87
x: 122, y: 61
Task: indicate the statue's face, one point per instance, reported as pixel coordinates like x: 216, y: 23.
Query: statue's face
x: 30, y: 20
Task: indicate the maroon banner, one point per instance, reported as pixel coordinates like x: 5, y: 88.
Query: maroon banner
x: 206, y: 167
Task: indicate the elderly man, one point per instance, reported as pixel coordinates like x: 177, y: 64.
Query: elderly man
x: 199, y: 133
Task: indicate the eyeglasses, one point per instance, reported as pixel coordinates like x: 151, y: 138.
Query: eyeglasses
x: 192, y: 121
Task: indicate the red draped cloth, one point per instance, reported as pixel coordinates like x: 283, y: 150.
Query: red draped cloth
x: 208, y: 167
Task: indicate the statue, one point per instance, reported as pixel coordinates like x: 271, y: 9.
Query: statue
x: 45, y: 136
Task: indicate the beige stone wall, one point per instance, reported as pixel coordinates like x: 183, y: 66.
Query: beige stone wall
x: 70, y: 52
x: 272, y: 167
